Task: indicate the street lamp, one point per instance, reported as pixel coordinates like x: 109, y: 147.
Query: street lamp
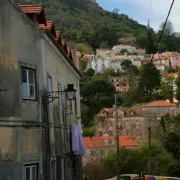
x: 70, y: 92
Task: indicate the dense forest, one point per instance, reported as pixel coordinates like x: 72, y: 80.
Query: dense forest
x: 84, y: 22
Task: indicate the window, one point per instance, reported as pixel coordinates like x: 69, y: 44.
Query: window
x: 137, y: 123
x: 110, y: 133
x: 110, y: 124
x: 100, y: 133
x: 100, y: 124
x: 31, y: 172
x: 110, y: 141
x: 28, y: 84
x: 117, y: 80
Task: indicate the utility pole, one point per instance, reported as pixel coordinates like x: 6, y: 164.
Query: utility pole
x: 117, y: 138
x: 149, y: 149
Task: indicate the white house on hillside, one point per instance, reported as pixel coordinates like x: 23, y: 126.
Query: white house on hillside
x: 117, y: 49
x: 100, y: 63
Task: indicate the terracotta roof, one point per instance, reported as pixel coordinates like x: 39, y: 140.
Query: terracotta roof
x: 48, y: 25
x: 92, y: 142
x: 122, y: 45
x: 172, y: 74
x: 107, y: 110
x: 98, y: 141
x: 31, y: 8
x: 159, y: 104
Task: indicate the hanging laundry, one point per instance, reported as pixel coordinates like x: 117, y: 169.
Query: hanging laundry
x: 78, y: 147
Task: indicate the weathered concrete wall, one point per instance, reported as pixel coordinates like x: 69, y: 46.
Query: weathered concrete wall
x: 19, y: 46
x: 61, y: 73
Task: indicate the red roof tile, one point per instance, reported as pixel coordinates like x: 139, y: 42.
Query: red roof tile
x: 31, y: 8
x: 159, y: 104
x: 98, y: 141
x: 109, y: 111
x: 173, y: 74
x: 92, y: 142
x: 48, y: 25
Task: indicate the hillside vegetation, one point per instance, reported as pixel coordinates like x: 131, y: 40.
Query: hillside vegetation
x: 86, y: 22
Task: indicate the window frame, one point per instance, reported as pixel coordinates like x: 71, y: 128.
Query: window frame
x: 36, y: 170
x: 35, y: 83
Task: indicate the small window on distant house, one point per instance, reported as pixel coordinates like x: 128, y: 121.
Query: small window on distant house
x: 137, y: 123
x: 100, y: 133
x: 28, y: 84
x: 100, y: 124
x: 117, y: 80
x: 110, y: 124
x: 110, y: 141
x: 110, y: 133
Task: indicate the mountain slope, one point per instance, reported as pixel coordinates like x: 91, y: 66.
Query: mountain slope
x: 83, y: 21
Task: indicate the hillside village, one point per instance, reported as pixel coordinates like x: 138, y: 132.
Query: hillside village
x: 76, y: 110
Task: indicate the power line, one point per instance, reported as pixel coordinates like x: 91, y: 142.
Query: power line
x: 155, y: 50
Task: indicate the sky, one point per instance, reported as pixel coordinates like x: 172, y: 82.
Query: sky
x: 142, y: 10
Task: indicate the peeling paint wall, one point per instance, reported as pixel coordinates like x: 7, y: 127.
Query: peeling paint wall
x: 19, y: 46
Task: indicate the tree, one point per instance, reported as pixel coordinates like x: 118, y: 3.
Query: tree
x: 168, y: 27
x: 132, y: 161
x: 177, y: 82
x: 126, y: 64
x: 167, y: 39
x: 110, y: 71
x: 150, y: 47
x: 83, y: 48
x: 90, y: 72
x: 83, y: 64
x: 104, y: 45
x: 166, y: 90
x: 123, y: 51
x: 149, y: 79
x: 141, y: 41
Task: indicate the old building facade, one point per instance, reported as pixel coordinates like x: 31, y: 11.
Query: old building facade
x: 36, y: 117
x: 133, y: 121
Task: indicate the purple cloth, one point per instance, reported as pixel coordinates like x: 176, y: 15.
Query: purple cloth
x: 77, y: 142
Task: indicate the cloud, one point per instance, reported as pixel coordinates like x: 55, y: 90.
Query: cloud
x: 155, y: 10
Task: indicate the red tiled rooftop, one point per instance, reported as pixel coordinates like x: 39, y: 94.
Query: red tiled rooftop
x: 92, y: 142
x: 172, y: 74
x: 31, y: 8
x: 159, y: 104
x: 48, y: 25
x: 98, y: 141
